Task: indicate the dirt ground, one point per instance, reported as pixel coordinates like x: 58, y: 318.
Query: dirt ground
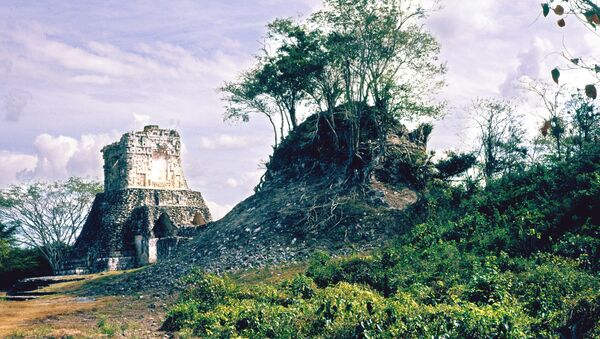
x: 72, y: 313
x: 66, y: 315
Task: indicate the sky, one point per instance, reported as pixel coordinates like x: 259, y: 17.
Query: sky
x: 76, y: 75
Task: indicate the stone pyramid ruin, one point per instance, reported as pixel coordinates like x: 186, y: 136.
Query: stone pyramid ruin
x: 146, y: 209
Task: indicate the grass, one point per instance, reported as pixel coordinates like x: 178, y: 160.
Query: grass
x: 68, y: 315
x: 92, y: 281
x: 16, y: 315
x: 270, y: 275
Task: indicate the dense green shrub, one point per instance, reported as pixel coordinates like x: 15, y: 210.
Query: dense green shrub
x: 343, y: 310
x: 547, y: 208
x: 517, y: 258
x: 19, y: 263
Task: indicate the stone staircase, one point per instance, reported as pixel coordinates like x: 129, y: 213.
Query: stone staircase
x: 29, y: 288
x: 75, y: 267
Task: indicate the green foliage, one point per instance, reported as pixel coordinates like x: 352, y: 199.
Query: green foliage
x: 48, y: 215
x: 21, y: 263
x: 301, y: 286
x: 7, y: 239
x: 583, y: 118
x: 362, y: 65
x: 341, y: 310
x: 516, y: 258
x: 110, y: 329
x: 455, y: 164
x: 17, y: 263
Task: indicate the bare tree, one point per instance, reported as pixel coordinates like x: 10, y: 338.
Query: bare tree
x: 553, y: 100
x: 49, y: 216
x: 500, y: 135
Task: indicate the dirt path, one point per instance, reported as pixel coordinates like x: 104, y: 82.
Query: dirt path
x: 66, y: 315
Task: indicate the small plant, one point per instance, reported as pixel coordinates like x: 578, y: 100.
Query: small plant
x: 106, y: 328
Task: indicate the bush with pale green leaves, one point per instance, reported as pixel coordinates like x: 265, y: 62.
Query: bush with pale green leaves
x: 341, y: 310
x: 515, y: 259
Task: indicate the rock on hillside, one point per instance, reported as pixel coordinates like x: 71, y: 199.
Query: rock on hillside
x: 309, y: 199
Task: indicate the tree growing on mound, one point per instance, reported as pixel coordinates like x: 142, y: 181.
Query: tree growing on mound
x: 355, y: 62
x: 49, y: 216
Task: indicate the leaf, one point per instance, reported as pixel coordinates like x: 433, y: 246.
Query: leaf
x: 545, y: 9
x: 597, y: 68
x: 590, y: 91
x: 561, y: 23
x: 596, y: 19
x: 559, y: 10
x: 555, y: 75
x: 575, y: 61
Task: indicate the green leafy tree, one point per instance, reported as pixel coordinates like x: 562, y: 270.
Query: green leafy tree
x: 244, y: 98
x: 455, y: 164
x: 280, y: 82
x: 345, y: 58
x: 7, y: 236
x: 288, y: 73
x: 49, y: 216
x: 387, y: 61
x: 584, y: 119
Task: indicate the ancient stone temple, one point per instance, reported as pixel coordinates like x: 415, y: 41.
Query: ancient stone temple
x: 146, y: 209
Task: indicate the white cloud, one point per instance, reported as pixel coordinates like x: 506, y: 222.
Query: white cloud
x: 217, y: 210
x: 89, y: 73
x: 5, y: 66
x: 14, y: 104
x: 91, y: 79
x: 87, y: 159
x: 140, y: 120
x: 58, y: 157
x: 530, y: 64
x: 489, y: 46
x: 231, y: 182
x: 72, y: 58
x: 53, y: 154
x: 12, y: 165
x: 226, y: 141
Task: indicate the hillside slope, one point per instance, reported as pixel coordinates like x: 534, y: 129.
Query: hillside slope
x: 517, y: 258
x: 312, y: 197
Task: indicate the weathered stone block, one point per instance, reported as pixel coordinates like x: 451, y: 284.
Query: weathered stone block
x: 145, y: 159
x: 143, y: 183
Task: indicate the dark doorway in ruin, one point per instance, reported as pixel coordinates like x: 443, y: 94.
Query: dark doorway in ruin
x: 198, y: 219
x: 164, y: 227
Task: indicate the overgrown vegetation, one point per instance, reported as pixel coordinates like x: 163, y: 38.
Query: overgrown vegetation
x: 515, y: 258
x: 15, y: 262
x: 18, y: 263
x: 364, y: 65
x: 45, y: 216
x: 510, y: 249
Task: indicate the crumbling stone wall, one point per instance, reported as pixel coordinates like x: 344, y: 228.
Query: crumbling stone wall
x: 121, y: 230
x: 145, y: 159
